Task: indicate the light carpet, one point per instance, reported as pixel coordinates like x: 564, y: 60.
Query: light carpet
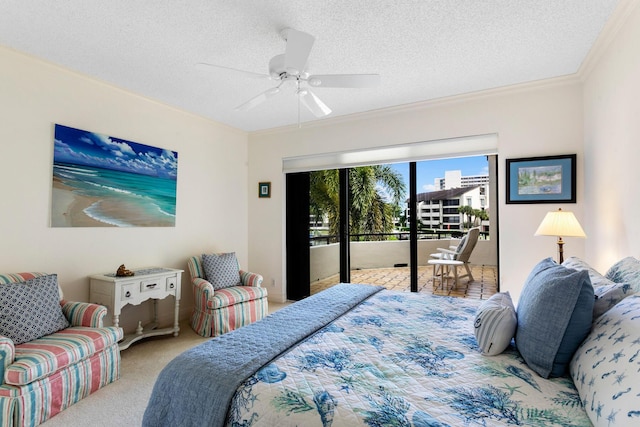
x: 122, y: 403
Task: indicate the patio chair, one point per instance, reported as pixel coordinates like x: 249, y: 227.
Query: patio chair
x: 448, y: 260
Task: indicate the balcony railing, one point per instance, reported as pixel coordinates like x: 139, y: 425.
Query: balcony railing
x: 398, y: 235
x: 325, y: 257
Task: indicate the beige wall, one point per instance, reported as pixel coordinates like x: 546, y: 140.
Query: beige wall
x: 212, y: 180
x: 612, y: 148
x: 219, y: 168
x: 531, y: 120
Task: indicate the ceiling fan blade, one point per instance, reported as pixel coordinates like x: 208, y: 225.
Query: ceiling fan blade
x: 207, y: 67
x: 313, y: 103
x: 258, y: 99
x: 344, y: 80
x: 299, y: 46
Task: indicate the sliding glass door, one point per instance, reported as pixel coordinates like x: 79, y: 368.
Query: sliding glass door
x: 380, y: 221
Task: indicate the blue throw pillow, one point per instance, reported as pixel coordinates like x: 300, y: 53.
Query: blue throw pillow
x: 555, y: 311
x: 221, y: 270
x: 30, y: 310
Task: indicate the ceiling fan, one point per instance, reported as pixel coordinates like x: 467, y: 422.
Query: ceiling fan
x: 290, y: 68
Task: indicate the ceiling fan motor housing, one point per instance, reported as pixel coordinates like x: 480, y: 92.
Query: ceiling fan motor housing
x: 277, y: 70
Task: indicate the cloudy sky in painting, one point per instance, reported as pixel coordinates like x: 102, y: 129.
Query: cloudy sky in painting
x: 82, y: 147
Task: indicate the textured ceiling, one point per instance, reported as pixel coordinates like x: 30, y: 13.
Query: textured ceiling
x: 422, y: 49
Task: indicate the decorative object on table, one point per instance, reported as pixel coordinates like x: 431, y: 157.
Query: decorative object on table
x: 264, y: 189
x: 123, y: 272
x: 560, y: 223
x: 103, y: 181
x: 550, y: 179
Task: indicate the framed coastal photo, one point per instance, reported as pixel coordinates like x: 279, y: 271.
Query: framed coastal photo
x: 550, y: 179
x: 104, y: 181
x: 264, y: 189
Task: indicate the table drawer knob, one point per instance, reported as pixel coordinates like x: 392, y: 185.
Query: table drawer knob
x: 127, y: 294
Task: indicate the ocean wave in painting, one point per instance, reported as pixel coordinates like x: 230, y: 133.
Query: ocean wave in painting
x: 114, y: 181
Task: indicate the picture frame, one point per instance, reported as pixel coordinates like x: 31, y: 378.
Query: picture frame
x: 264, y: 189
x: 549, y: 179
x: 100, y: 180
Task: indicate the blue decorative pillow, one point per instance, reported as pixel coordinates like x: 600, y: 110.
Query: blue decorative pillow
x: 607, y: 293
x: 627, y: 270
x: 221, y: 270
x: 495, y: 324
x: 605, y: 366
x: 30, y: 310
x: 555, y: 311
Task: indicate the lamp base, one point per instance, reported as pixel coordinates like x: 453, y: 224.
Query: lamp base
x: 560, y: 250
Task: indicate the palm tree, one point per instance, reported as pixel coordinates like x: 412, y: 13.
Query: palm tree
x: 468, y: 211
x: 369, y: 189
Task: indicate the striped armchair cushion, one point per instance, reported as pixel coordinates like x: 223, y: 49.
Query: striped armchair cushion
x: 44, y: 356
x: 235, y: 295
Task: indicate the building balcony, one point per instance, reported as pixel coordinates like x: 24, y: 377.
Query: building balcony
x: 386, y: 263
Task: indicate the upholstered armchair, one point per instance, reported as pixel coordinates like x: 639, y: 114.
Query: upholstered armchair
x: 52, y: 352
x: 225, y: 297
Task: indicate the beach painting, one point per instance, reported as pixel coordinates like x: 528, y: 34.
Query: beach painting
x: 103, y: 181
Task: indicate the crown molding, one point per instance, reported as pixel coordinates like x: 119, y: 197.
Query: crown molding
x: 612, y: 27
x: 423, y: 105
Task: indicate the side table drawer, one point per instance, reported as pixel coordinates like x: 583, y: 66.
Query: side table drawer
x: 150, y: 285
x: 172, y: 284
x: 129, y: 291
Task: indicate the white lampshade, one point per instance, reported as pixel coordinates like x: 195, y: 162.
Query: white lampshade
x: 560, y: 223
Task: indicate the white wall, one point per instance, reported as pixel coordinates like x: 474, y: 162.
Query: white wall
x: 612, y: 149
x: 212, y: 181
x: 530, y: 120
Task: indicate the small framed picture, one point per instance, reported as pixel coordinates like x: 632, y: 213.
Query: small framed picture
x: 550, y: 179
x: 264, y: 189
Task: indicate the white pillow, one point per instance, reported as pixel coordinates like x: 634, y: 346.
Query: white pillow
x: 605, y: 368
x: 495, y: 324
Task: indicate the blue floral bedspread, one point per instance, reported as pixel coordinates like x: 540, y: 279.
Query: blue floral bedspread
x: 402, y: 359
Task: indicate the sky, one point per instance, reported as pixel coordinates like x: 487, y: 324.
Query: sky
x: 80, y: 147
x: 428, y: 171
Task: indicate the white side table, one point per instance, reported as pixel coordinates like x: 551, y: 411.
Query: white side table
x: 149, y: 283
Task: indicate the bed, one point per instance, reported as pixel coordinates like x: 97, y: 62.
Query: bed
x: 380, y: 358
x: 360, y: 355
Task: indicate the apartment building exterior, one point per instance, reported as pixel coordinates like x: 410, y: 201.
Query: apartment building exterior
x: 454, y: 179
x: 439, y: 209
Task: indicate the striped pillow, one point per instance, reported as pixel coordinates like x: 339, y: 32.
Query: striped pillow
x: 495, y: 324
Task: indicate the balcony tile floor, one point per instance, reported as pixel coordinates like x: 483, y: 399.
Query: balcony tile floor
x: 484, y: 285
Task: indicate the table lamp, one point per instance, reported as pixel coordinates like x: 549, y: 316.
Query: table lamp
x: 560, y: 223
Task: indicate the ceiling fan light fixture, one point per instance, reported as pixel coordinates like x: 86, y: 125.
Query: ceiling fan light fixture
x: 290, y: 68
